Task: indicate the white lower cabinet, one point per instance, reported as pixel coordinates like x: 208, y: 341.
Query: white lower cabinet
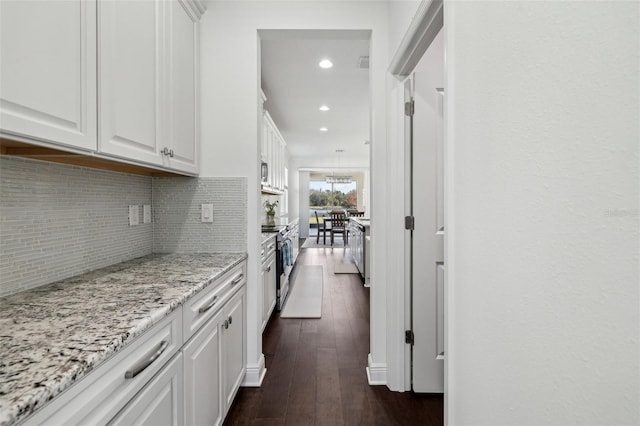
x: 160, y: 402
x: 100, y: 396
x: 268, y: 288
x: 214, y: 364
x: 185, y: 370
x: 202, y: 397
x: 233, y: 338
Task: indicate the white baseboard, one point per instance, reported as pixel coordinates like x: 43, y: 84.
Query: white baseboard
x: 376, y: 372
x: 254, y: 374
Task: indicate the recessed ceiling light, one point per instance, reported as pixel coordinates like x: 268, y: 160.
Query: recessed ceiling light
x: 324, y: 108
x: 324, y: 129
x: 325, y: 63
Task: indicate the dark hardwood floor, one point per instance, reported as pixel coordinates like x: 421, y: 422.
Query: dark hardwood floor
x: 316, y: 367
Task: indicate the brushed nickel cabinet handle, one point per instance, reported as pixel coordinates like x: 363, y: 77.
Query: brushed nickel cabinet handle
x: 237, y: 280
x: 149, y: 359
x: 209, y: 305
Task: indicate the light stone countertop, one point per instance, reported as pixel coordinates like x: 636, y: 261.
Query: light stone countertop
x: 55, y: 334
x: 364, y: 221
x: 267, y: 235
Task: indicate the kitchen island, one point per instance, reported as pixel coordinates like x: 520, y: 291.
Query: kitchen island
x: 359, y: 242
x: 54, y: 335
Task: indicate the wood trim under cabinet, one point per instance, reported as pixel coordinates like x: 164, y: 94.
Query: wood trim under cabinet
x: 20, y: 149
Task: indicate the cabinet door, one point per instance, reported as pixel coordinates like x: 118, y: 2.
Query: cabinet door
x: 159, y: 402
x: 48, y: 71
x: 183, y: 40
x: 272, y: 284
x: 202, y: 398
x: 264, y: 279
x: 233, y: 346
x: 130, y: 78
x: 268, y: 289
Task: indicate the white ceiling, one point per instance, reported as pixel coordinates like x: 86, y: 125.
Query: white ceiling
x: 296, y: 87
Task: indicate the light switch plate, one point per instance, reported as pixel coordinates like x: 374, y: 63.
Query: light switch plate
x: 134, y: 214
x: 207, y: 213
x: 146, y: 213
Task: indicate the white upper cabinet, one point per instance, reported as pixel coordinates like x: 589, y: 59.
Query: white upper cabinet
x: 48, y: 71
x: 273, y: 149
x: 131, y: 70
x: 148, y: 81
x: 183, y: 87
x: 119, y: 78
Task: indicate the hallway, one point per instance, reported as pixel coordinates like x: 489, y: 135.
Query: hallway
x: 316, y: 367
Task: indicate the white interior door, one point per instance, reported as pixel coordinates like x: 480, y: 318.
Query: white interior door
x: 427, y: 208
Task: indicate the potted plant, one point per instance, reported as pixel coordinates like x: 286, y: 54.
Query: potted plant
x: 271, y: 212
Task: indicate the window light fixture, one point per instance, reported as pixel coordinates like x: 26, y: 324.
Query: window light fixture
x: 325, y: 63
x: 333, y: 178
x: 338, y: 179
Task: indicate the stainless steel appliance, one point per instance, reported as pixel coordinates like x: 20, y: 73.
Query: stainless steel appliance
x: 284, y: 268
x: 357, y: 245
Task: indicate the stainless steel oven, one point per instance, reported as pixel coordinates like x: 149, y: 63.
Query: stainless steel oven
x: 285, y: 260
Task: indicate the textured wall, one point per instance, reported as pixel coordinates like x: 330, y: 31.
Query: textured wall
x: 544, y: 189
x: 176, y: 215
x: 57, y: 221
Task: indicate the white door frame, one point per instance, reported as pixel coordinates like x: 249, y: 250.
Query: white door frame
x: 425, y: 26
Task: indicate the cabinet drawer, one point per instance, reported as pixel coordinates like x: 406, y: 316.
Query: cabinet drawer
x: 268, y: 247
x: 204, y: 305
x: 159, y: 403
x: 98, y: 397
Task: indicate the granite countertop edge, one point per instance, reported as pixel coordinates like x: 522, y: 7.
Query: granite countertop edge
x: 266, y: 236
x: 362, y: 221
x: 30, y: 402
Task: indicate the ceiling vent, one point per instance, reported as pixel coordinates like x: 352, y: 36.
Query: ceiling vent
x: 363, y: 62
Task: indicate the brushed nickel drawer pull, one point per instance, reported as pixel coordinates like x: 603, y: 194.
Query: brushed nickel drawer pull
x: 270, y: 246
x: 237, y: 280
x: 209, y: 306
x: 150, y: 358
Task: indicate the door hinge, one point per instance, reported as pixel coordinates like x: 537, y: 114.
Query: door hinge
x: 408, y: 337
x: 409, y: 223
x: 409, y: 108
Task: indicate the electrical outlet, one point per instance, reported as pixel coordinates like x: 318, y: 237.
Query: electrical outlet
x: 146, y: 213
x: 134, y: 215
x: 207, y: 213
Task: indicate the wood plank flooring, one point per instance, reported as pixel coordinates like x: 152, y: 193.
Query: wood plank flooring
x: 316, y: 367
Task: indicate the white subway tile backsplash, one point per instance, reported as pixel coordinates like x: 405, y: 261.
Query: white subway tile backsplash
x: 58, y: 220
x: 176, y: 214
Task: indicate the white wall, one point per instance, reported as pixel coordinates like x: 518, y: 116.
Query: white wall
x: 300, y: 201
x: 401, y: 13
x: 543, y: 166
x: 229, y: 131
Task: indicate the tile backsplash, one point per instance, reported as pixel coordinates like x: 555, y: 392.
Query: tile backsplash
x: 177, y: 214
x: 58, y: 220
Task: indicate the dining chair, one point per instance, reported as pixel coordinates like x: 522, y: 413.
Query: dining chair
x: 338, y: 225
x: 324, y: 230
